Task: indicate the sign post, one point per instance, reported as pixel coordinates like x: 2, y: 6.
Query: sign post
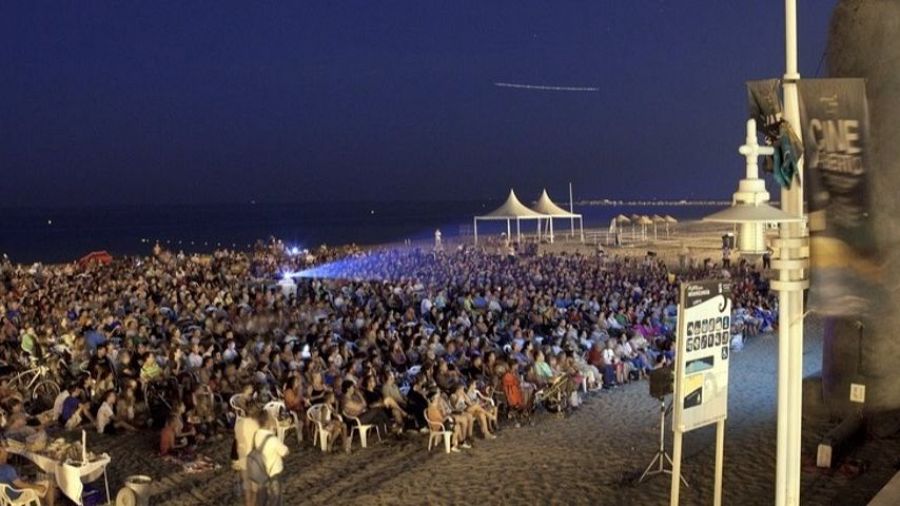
x: 701, y: 370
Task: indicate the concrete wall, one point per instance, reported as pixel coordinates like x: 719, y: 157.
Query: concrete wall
x: 864, y: 41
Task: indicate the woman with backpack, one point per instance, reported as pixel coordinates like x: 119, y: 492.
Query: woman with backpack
x: 244, y: 429
x: 265, y: 463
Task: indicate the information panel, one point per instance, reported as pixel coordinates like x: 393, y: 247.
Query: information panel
x: 701, y: 363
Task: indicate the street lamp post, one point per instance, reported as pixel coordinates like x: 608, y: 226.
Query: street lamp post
x: 792, y: 263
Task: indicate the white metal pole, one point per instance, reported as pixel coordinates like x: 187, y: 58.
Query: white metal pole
x: 720, y: 462
x: 551, y: 230
x: 475, y: 228
x: 677, y: 403
x: 571, y: 210
x: 508, y: 231
x: 676, y: 467
x: 790, y: 296
x: 518, y: 231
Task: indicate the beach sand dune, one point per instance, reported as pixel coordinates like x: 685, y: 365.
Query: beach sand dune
x: 585, y: 458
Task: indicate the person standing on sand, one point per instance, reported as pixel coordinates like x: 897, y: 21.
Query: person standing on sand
x: 244, y: 429
x: 273, y: 451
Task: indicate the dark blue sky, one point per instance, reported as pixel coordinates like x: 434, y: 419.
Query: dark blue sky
x: 227, y: 101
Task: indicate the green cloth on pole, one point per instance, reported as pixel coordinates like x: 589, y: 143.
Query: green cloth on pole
x: 787, y: 154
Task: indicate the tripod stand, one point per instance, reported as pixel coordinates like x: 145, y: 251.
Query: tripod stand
x: 658, y: 464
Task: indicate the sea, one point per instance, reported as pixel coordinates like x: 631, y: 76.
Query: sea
x: 53, y: 235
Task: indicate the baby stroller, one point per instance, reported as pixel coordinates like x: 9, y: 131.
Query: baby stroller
x: 555, y: 396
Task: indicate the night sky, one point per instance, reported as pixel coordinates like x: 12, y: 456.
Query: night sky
x: 227, y: 101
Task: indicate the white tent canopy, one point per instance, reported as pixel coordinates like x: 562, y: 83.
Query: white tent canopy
x: 511, y: 210
x: 547, y: 207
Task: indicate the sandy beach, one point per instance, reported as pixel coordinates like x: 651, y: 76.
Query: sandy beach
x: 585, y: 458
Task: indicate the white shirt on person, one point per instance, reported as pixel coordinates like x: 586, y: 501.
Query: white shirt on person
x: 58, y: 404
x: 230, y: 354
x: 105, y: 416
x: 244, y: 429
x: 195, y: 360
x: 273, y: 450
x: 608, y: 356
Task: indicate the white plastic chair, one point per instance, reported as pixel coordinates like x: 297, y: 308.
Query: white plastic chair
x: 362, y: 429
x: 315, y: 415
x: 285, y: 420
x: 435, y: 435
x: 26, y: 497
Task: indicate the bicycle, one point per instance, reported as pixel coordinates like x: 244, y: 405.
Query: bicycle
x: 37, y: 380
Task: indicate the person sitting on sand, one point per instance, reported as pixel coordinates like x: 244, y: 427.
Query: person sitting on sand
x: 177, y: 430
x: 126, y: 407
x: 202, y: 416
x: 150, y: 370
x: 108, y: 422
x: 9, y: 393
x: 169, y: 442
x: 21, y: 426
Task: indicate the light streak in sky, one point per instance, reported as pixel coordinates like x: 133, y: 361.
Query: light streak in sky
x: 543, y: 87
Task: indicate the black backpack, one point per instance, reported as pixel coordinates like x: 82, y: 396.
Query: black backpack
x: 256, y: 463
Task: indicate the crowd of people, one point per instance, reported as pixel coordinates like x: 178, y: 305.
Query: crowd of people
x: 402, y: 339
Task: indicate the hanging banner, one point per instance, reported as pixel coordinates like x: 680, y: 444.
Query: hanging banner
x: 835, y: 122
x: 701, y: 362
x: 764, y: 101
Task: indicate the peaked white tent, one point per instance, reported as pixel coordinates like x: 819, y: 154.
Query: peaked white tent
x: 511, y: 210
x: 547, y: 207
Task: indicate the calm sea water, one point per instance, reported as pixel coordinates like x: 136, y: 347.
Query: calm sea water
x: 58, y: 235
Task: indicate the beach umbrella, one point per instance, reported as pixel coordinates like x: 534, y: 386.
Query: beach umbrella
x: 635, y: 218
x: 669, y: 220
x: 657, y: 219
x: 644, y: 221
x: 620, y: 220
